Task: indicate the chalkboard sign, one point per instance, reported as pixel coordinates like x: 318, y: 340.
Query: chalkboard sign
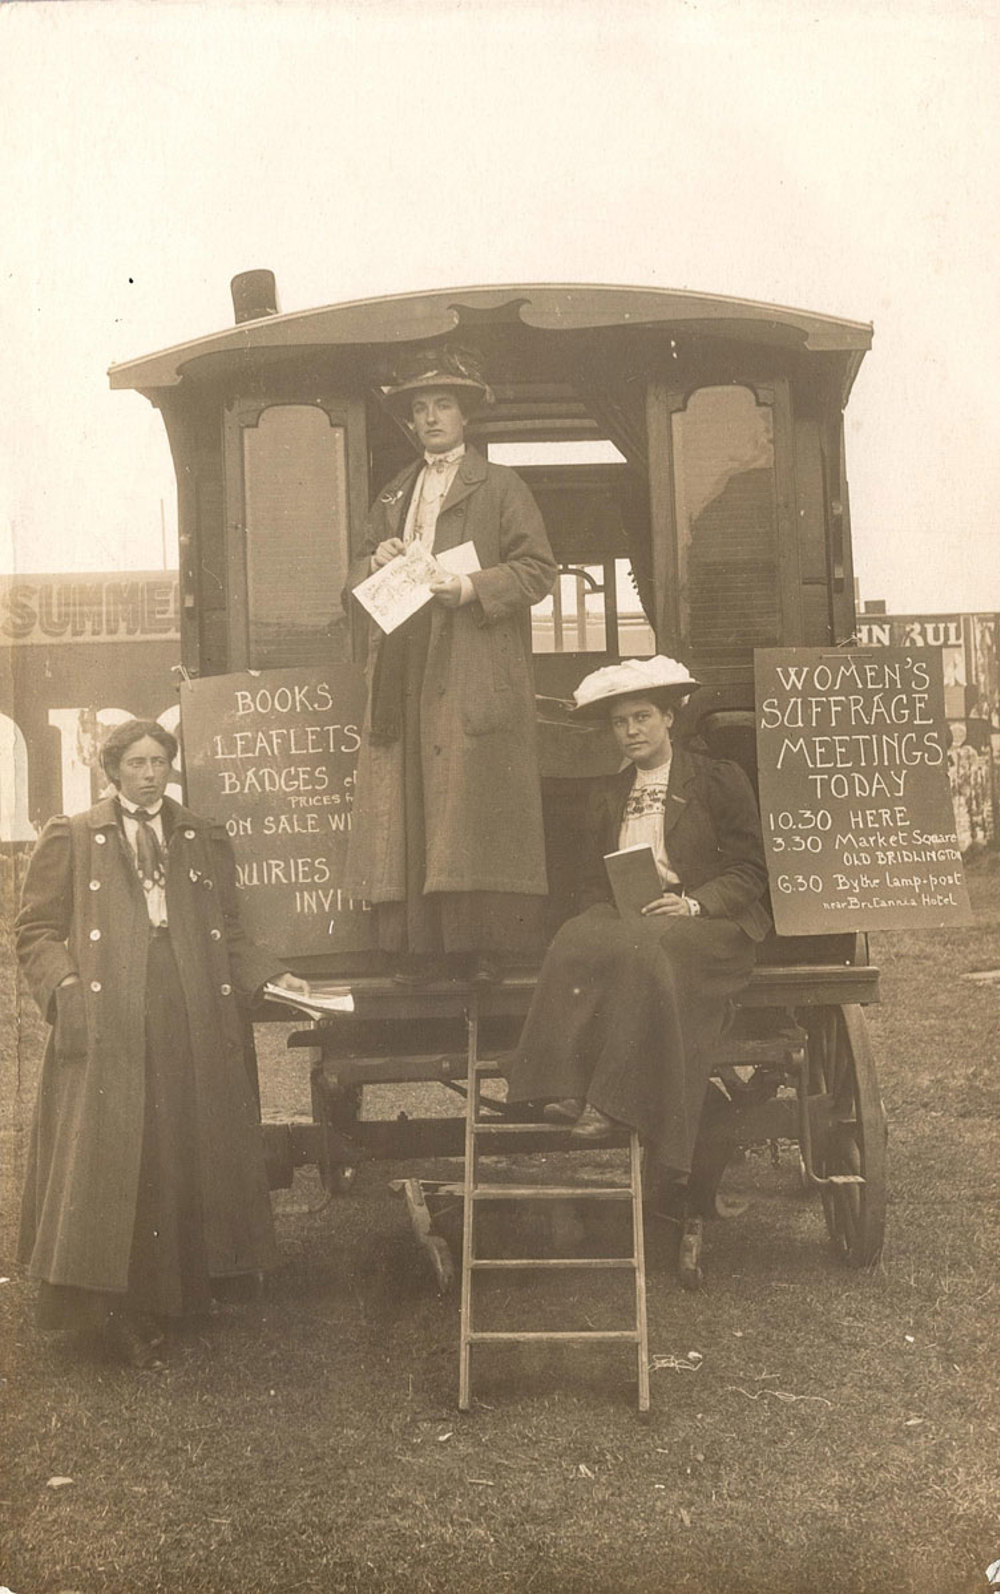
x: 272, y: 755
x: 859, y: 828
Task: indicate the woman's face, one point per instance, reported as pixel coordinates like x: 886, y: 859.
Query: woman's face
x: 438, y: 421
x: 143, y: 772
x: 642, y: 731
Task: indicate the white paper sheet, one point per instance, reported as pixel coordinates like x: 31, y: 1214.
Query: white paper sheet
x: 321, y: 998
x: 401, y: 587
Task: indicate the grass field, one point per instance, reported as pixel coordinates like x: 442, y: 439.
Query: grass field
x: 839, y: 1433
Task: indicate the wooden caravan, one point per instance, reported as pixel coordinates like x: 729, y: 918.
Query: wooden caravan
x: 687, y: 453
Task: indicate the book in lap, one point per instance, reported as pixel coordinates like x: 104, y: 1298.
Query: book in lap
x: 634, y: 877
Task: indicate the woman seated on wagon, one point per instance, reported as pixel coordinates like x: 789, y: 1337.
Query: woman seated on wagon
x: 627, y: 1010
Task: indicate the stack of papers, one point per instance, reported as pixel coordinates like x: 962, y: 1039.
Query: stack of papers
x: 322, y: 998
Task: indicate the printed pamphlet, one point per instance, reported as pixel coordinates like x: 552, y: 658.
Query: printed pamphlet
x: 401, y: 587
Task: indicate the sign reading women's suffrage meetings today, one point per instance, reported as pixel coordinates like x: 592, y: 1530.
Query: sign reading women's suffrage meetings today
x: 858, y: 822
x: 272, y: 755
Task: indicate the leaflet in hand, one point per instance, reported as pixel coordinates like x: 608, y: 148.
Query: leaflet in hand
x: 397, y: 590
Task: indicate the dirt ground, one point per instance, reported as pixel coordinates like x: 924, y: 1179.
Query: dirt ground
x: 836, y: 1432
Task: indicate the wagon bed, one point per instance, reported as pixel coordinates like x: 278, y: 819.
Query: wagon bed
x: 794, y: 1065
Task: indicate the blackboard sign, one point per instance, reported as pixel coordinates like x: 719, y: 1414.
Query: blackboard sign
x: 272, y: 754
x: 859, y: 827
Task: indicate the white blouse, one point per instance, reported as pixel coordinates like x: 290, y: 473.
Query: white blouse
x: 642, y: 824
x: 429, y: 494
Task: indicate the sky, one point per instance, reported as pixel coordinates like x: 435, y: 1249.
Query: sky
x: 842, y: 159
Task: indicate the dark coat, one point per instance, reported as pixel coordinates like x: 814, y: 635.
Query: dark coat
x: 627, y: 1013
x: 83, y: 912
x: 712, y: 833
x: 481, y: 792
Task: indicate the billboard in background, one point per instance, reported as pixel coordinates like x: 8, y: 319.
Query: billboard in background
x: 78, y: 654
x: 52, y: 611
x: 970, y: 651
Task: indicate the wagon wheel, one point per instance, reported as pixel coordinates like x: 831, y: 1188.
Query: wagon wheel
x: 841, y: 1066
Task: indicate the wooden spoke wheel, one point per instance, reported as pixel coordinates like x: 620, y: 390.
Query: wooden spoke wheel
x: 841, y: 1067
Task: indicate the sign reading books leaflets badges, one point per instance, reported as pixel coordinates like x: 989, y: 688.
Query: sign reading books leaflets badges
x: 271, y: 754
x: 858, y: 823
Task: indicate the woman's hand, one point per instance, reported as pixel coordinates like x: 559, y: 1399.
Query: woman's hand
x: 671, y: 903
x: 390, y: 549
x: 70, y: 1033
x: 447, y: 590
x: 292, y: 982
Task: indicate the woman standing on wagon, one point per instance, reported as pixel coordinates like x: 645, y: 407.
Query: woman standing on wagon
x: 447, y: 840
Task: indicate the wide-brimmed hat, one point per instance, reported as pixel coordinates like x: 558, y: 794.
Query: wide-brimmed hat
x: 455, y: 369
x: 632, y: 678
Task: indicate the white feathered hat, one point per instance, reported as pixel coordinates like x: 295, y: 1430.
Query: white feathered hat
x: 632, y: 678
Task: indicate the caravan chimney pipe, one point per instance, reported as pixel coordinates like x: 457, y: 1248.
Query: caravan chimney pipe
x: 254, y: 295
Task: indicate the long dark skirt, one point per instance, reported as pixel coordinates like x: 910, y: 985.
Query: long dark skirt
x: 626, y: 1015
x: 503, y: 923
x: 168, y: 1274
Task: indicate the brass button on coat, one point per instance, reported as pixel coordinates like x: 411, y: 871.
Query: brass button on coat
x: 226, y: 990
x: 95, y: 985
x: 95, y: 885
x: 216, y: 935
x: 95, y: 935
x: 100, y: 838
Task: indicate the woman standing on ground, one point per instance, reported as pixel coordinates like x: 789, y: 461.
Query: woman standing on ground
x: 146, y: 1191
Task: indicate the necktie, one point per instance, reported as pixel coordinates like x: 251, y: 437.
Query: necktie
x: 432, y: 492
x: 149, y: 857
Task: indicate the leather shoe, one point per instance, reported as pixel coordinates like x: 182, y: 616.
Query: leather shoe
x: 593, y: 1127
x: 564, y: 1112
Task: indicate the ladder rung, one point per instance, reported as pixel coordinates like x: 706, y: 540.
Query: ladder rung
x: 628, y: 1336
x: 503, y: 1126
x: 550, y: 1192
x: 554, y: 1261
x: 484, y: 1126
x: 510, y: 1126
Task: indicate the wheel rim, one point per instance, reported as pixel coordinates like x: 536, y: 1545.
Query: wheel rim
x: 841, y: 1067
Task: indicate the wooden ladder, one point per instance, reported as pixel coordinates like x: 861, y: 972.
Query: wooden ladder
x: 475, y: 1193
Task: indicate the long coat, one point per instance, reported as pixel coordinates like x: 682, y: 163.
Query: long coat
x: 83, y: 912
x: 711, y: 830
x: 482, y: 800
